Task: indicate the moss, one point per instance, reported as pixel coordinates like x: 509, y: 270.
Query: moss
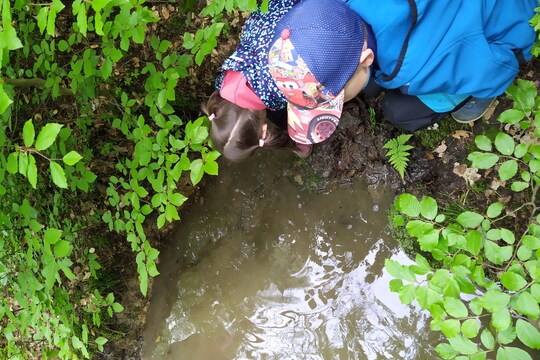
x: 303, y: 174
x: 479, y: 187
x: 430, y: 139
x: 409, y: 244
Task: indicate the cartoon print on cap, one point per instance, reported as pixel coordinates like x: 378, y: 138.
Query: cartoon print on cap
x: 313, y: 111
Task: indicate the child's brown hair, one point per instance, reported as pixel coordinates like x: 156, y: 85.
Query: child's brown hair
x: 236, y: 132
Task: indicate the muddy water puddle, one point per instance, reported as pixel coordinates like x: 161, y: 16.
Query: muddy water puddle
x: 274, y: 272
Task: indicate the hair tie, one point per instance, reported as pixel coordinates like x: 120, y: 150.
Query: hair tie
x: 212, y: 116
x: 261, y: 142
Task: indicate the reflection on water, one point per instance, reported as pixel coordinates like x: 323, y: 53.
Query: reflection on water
x: 278, y: 273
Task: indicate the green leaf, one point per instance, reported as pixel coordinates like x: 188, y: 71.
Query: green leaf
x: 164, y: 45
x: 418, y: 228
x: 487, y: 339
x: 82, y: 20
x: 407, y: 294
x: 23, y: 163
x: 428, y: 208
x: 463, y: 345
x: 512, y: 353
x: 501, y: 319
x: 106, y: 68
x: 58, y: 175
x: 177, y: 199
x: 162, y: 99
x: 422, y: 266
x: 513, y: 281
x: 171, y: 213
x: 398, y: 271
x: 476, y: 307
x: 50, y: 272
x: 409, y: 205
x: 63, y: 45
x: 521, y: 150
x: 495, y: 210
x: 481, y: 160
x: 469, y: 219
x: 508, y: 236
x: 504, y: 143
x: 12, y: 165
x: 61, y: 249
x: 28, y: 133
x: 439, y: 279
x: 524, y: 253
x: 474, y: 242
x: 494, y: 299
x: 450, y: 328
x: 211, y: 167
x: 57, y: 5
x: 399, y: 220
x: 518, y: 186
x: 452, y: 288
x: 527, y: 305
x: 71, y: 158
x: 534, y: 166
x: 508, y: 170
x: 5, y: 101
x: 531, y: 242
x: 483, y: 142
x: 152, y: 269
x: 470, y: 328
x: 42, y: 18
x: 507, y: 336
x: 161, y: 221
x: 396, y: 285
x: 528, y: 334
x: 117, y: 307
x: 31, y: 172
x: 197, y: 172
x: 455, y: 307
x: 427, y: 297
x: 47, y: 135
x: 100, y: 341
x: 429, y: 241
x: 446, y: 351
x: 511, y: 116
x: 51, y: 236
x: 497, y: 254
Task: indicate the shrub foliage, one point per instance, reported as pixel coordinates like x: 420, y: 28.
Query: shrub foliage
x: 84, y: 142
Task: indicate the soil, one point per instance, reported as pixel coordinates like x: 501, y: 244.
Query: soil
x: 355, y: 150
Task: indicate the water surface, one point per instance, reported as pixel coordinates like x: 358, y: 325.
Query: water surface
x: 274, y: 272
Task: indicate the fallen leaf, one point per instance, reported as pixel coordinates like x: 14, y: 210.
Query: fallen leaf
x: 496, y: 183
x: 505, y: 199
x: 429, y: 155
x: 165, y: 13
x: 490, y: 110
x: 461, y: 134
x: 441, y: 148
x: 470, y: 175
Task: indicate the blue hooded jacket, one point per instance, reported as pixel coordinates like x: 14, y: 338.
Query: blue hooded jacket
x: 444, y: 51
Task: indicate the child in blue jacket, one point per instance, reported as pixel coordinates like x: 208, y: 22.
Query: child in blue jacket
x: 431, y: 58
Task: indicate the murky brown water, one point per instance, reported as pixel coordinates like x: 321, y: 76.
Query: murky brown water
x: 280, y: 273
